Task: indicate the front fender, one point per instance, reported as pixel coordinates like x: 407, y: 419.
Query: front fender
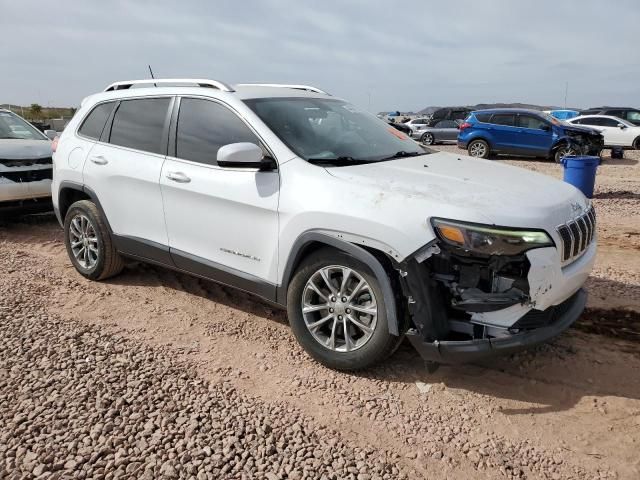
x: 337, y: 241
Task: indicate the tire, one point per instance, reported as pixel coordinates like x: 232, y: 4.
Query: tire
x: 479, y: 149
x: 427, y: 139
x: 103, y: 260
x: 563, y: 151
x: 636, y: 144
x: 367, y: 348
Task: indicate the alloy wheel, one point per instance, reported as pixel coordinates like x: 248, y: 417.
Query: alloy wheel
x: 339, y: 308
x: 478, y: 149
x: 84, y: 241
x: 427, y: 139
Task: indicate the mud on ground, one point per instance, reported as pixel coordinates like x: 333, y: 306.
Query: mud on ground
x: 155, y: 374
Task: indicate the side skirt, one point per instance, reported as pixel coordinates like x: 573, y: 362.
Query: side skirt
x: 162, y: 255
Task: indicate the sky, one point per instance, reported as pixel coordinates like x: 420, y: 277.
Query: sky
x: 380, y: 55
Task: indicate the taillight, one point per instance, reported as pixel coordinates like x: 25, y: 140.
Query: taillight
x: 54, y: 144
x: 465, y: 125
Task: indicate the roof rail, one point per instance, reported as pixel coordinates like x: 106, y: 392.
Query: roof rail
x: 200, y: 82
x: 282, y: 85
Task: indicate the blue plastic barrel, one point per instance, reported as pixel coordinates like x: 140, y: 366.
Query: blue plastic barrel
x: 580, y: 171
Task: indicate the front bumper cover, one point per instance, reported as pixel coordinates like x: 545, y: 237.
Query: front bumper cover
x: 560, y: 316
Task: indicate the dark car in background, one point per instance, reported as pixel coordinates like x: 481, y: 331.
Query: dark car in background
x: 403, y: 127
x: 626, y: 113
x: 443, y: 131
x: 525, y: 132
x: 448, y: 113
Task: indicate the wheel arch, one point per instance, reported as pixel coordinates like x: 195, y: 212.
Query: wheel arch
x: 376, y: 260
x: 71, y: 192
x: 480, y: 137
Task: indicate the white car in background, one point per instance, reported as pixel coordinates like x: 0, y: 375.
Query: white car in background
x: 25, y: 166
x: 616, y: 131
x: 417, y: 124
x: 298, y: 197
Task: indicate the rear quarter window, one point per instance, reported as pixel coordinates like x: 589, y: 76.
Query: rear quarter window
x: 483, y: 117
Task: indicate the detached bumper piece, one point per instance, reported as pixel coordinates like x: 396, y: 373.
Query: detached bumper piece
x: 553, y: 321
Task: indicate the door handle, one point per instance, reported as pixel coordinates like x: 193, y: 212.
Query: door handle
x: 178, y: 177
x: 99, y: 160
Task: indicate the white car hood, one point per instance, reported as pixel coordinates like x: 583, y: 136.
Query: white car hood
x: 18, y: 149
x: 496, y: 193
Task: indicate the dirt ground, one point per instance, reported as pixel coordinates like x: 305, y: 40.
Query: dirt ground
x: 568, y: 409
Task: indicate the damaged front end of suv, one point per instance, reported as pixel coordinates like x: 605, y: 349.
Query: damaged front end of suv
x: 472, y: 293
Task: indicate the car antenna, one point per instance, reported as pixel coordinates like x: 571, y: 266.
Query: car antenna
x: 151, y: 72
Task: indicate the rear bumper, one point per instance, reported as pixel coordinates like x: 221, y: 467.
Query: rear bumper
x: 472, y: 350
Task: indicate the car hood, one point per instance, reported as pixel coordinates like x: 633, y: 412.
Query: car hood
x: 581, y: 129
x: 18, y: 149
x: 465, y: 188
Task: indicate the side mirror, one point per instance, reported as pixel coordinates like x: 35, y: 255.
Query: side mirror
x: 51, y: 134
x: 545, y: 127
x: 243, y: 155
x: 622, y: 126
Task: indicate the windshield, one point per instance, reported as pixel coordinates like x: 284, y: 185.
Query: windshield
x: 14, y: 127
x: 332, y: 131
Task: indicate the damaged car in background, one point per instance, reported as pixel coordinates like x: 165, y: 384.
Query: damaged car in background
x: 362, y: 234
x: 25, y: 166
x: 531, y: 133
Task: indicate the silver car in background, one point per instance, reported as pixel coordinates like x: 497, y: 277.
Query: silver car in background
x: 443, y: 131
x: 26, y: 168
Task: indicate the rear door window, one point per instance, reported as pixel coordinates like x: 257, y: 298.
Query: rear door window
x: 205, y: 126
x: 140, y: 124
x: 506, y: 119
x: 608, y: 122
x: 94, y: 122
x: 591, y: 121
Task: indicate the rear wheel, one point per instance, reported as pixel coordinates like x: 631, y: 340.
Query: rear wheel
x: 337, y: 312
x: 636, y: 144
x: 478, y: 149
x: 89, y: 242
x: 427, y: 139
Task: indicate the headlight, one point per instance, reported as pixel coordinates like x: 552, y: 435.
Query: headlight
x: 489, y: 240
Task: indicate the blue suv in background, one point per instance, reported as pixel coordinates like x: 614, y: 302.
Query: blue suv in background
x: 525, y: 132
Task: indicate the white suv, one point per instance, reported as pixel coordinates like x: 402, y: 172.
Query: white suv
x: 298, y: 197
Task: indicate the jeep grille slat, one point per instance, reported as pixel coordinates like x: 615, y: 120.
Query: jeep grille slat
x: 577, y: 235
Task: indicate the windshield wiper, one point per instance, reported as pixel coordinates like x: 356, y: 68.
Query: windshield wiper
x: 339, y: 161
x: 403, y: 154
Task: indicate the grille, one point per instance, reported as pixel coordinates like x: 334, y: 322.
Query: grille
x: 25, y: 162
x: 24, y: 176
x: 577, y: 235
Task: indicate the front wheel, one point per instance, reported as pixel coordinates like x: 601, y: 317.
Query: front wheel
x: 564, y: 151
x: 337, y: 312
x: 479, y: 149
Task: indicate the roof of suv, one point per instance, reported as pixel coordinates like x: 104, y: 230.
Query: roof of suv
x: 509, y: 110
x: 129, y: 88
